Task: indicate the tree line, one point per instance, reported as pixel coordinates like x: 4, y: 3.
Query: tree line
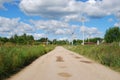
x: 112, y: 35
x: 23, y: 39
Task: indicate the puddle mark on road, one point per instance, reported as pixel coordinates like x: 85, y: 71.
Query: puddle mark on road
x: 86, y: 62
x: 77, y: 57
x: 63, y: 67
x: 59, y: 59
x: 64, y: 74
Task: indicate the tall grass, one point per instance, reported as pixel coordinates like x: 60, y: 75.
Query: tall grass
x: 13, y: 58
x: 108, y: 54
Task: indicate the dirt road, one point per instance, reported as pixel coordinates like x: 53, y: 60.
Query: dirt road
x: 62, y: 64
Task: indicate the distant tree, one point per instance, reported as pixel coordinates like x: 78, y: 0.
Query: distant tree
x: 12, y: 39
x: 112, y: 35
x: 16, y: 38
x: 60, y: 42
x: 30, y: 39
x: 54, y: 41
x: 42, y: 39
x: 4, y: 39
x: 23, y: 39
x: 77, y: 42
x: 94, y: 39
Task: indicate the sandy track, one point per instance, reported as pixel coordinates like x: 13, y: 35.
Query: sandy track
x: 62, y: 64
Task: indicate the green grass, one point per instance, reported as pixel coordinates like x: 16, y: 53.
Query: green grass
x: 108, y: 54
x: 14, y: 58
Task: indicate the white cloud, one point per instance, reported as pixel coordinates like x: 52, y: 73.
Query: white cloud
x: 89, y: 30
x: 59, y: 31
x: 2, y: 3
x: 63, y: 38
x: 91, y: 1
x: 111, y: 6
x: 117, y: 14
x: 94, y: 11
x: 59, y: 8
x: 63, y: 31
x: 53, y: 27
x: 13, y: 26
x: 6, y: 24
x: 75, y: 18
x: 93, y: 31
x: 43, y: 8
x: 117, y: 24
x: 51, y: 24
x: 38, y: 35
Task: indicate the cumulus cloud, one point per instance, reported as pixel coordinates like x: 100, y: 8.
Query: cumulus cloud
x: 59, y: 31
x: 49, y: 9
x: 91, y: 1
x: 89, y: 30
x: 53, y: 26
x: 117, y: 24
x: 63, y: 31
x: 63, y: 38
x: 117, y: 14
x: 94, y: 11
x: 59, y: 8
x: 45, y: 8
x: 42, y: 24
x: 13, y: 26
x: 38, y: 35
x: 2, y: 3
x: 75, y: 18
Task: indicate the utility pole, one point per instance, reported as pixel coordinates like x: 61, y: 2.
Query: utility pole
x: 72, y: 37
x: 83, y: 20
x: 47, y: 38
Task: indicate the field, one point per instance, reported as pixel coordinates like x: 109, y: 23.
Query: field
x: 13, y: 58
x: 106, y: 54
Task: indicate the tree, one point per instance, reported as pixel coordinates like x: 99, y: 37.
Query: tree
x: 42, y: 39
x: 4, y: 39
x: 30, y: 39
x: 112, y: 35
x: 77, y: 42
x: 54, y: 41
x: 94, y: 40
x: 23, y: 39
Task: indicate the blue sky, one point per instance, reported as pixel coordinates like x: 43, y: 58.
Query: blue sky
x: 58, y: 18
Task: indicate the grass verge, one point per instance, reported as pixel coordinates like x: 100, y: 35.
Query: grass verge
x: 108, y: 55
x: 14, y: 58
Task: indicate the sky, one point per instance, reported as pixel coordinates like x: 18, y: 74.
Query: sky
x: 58, y: 19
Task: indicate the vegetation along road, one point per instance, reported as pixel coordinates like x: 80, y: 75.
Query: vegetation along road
x: 62, y: 64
